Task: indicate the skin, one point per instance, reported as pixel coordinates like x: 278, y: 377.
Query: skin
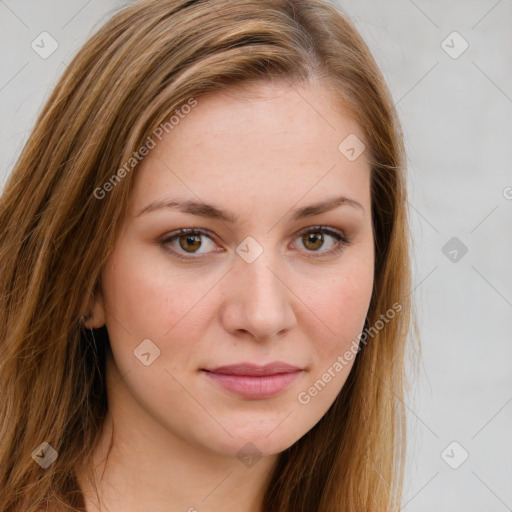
x: 260, y: 152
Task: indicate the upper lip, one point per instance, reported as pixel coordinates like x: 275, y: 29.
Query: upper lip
x: 254, y: 369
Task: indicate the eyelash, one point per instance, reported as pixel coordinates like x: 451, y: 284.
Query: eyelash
x: 342, y: 241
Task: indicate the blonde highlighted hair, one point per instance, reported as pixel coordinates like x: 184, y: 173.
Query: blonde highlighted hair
x: 146, y: 62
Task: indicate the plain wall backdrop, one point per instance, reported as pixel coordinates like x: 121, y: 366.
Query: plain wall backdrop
x: 449, y: 67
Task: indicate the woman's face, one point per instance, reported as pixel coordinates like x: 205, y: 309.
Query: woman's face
x: 263, y: 280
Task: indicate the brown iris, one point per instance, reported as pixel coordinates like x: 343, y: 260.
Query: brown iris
x: 190, y: 243
x: 315, y: 238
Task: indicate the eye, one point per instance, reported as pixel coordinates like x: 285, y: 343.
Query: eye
x: 315, y: 239
x: 189, y: 241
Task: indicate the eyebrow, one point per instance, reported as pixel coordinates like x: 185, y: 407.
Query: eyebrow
x: 210, y: 211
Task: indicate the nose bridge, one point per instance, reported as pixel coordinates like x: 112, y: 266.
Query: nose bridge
x: 262, y: 281
x: 259, y: 297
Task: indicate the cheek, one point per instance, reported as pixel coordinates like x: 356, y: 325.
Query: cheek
x: 334, y: 329
x: 139, y: 292
x: 339, y: 307
x: 146, y: 299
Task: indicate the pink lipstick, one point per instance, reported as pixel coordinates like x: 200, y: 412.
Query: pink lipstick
x: 254, y: 381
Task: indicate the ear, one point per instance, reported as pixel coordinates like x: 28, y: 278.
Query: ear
x: 94, y: 315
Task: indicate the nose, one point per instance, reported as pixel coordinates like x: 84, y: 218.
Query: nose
x: 258, y: 300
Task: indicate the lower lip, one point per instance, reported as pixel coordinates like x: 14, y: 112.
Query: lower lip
x: 254, y: 386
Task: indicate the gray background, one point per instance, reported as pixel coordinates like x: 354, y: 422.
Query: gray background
x: 457, y: 119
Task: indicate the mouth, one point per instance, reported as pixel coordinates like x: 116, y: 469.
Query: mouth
x: 254, y: 381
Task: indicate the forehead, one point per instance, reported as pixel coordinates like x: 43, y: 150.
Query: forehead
x: 268, y: 139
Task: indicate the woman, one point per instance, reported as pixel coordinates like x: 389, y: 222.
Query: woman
x: 205, y: 270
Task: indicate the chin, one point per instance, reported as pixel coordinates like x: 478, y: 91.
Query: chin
x: 259, y: 441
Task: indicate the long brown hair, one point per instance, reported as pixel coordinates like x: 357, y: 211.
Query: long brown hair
x: 143, y: 65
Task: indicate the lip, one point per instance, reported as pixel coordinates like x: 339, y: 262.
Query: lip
x: 254, y: 381
x: 252, y: 369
